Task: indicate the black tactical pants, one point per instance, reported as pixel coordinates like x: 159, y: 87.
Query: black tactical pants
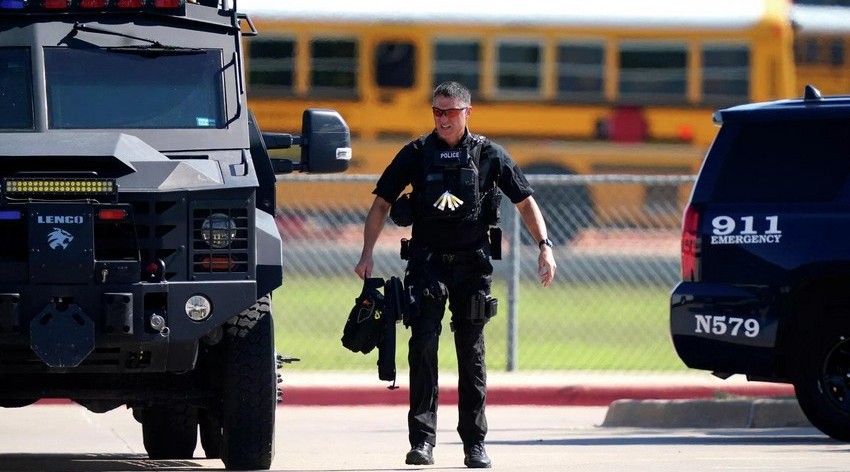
x: 437, y: 281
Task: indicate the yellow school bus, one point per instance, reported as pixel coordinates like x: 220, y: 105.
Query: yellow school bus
x: 822, y: 47
x: 575, y: 87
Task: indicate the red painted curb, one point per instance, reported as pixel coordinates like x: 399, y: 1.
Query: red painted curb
x: 553, y: 396
x: 539, y: 396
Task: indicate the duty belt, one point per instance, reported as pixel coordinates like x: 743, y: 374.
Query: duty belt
x: 413, y: 251
x: 454, y: 257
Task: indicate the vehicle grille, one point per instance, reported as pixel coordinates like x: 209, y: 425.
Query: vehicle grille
x: 158, y: 224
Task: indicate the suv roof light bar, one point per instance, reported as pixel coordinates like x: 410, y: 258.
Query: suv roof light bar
x: 13, y: 4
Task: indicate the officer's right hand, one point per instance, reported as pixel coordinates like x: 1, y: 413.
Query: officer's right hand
x: 364, y: 267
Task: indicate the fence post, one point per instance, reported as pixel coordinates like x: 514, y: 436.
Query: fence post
x: 514, y: 246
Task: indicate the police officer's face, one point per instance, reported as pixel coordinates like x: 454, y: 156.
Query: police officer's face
x: 450, y: 115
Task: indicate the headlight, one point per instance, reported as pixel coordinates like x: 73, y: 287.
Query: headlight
x: 218, y: 230
x: 198, y: 307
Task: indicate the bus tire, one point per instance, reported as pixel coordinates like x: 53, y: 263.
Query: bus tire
x: 249, y: 395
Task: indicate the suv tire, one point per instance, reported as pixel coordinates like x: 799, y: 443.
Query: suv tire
x: 822, y: 384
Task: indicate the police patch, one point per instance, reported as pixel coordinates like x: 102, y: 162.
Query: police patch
x: 453, y: 157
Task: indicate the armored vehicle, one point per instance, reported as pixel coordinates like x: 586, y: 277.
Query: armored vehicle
x: 765, y: 267
x: 138, y: 248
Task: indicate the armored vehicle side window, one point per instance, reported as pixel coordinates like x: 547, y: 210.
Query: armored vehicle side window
x: 94, y: 88
x: 15, y: 89
x: 786, y: 161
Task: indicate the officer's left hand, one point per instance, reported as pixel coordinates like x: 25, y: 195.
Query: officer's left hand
x: 546, y: 265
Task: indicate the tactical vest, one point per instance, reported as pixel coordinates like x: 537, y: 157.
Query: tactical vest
x: 449, y: 189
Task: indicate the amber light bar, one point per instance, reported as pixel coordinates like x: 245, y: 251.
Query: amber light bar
x: 36, y: 187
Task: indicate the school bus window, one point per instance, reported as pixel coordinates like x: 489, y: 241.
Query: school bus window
x: 581, y: 71
x: 805, y: 51
x: 519, y: 67
x: 836, y: 51
x: 395, y: 64
x: 458, y: 60
x: 653, y: 72
x: 272, y: 65
x: 725, y: 73
x: 333, y: 66
x: 819, y: 51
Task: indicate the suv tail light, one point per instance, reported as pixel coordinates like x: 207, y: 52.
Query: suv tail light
x: 690, y: 244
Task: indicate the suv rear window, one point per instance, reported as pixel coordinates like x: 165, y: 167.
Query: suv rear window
x: 786, y: 161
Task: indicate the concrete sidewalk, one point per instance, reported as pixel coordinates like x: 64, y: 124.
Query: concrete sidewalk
x: 527, y: 388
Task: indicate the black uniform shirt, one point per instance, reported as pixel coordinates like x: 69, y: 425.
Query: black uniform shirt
x: 407, y: 168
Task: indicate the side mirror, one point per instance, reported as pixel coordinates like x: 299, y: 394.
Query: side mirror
x: 325, y: 144
x: 328, y: 146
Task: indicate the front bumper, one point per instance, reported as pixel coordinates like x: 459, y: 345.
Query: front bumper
x: 108, y: 329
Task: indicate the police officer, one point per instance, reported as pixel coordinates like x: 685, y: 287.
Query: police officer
x: 456, y: 177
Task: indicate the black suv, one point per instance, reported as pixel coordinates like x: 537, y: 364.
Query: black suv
x: 765, y: 264
x: 138, y: 247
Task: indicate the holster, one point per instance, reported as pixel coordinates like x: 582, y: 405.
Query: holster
x: 482, y: 307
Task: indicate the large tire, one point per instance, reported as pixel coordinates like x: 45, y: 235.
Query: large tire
x: 249, y: 394
x: 822, y: 384
x: 15, y: 403
x: 170, y: 431
x: 211, y: 436
x: 819, y: 351
x: 241, y: 324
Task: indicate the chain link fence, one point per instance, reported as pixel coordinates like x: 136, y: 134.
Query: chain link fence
x: 616, y: 244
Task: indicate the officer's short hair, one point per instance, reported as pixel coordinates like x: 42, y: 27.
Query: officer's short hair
x: 452, y: 89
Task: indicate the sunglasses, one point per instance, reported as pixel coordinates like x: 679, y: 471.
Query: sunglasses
x: 449, y: 112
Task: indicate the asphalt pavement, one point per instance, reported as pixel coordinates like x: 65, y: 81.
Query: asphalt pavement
x: 539, y: 421
x: 68, y: 438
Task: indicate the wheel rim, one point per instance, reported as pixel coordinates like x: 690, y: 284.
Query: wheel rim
x: 835, y: 378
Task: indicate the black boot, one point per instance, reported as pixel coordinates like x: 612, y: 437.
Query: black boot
x: 421, y: 454
x: 475, y: 457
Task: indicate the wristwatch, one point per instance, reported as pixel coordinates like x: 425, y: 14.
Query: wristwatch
x: 546, y: 241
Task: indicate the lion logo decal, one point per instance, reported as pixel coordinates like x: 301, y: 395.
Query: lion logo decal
x: 59, y: 238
